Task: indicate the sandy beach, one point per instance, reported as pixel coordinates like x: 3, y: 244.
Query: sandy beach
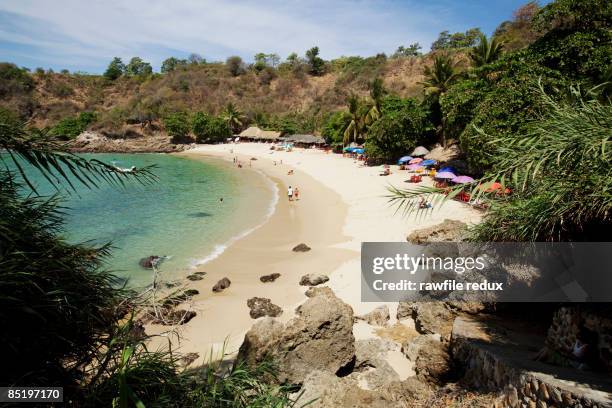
x: 342, y: 204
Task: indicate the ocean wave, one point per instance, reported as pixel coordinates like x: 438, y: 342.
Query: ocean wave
x: 220, y: 248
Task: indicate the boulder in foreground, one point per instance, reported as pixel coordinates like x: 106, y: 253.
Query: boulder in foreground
x: 261, y: 307
x: 320, y: 337
x: 313, y: 279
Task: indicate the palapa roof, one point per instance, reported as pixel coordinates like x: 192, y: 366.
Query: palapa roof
x: 306, y: 139
x: 419, y: 151
x: 254, y: 132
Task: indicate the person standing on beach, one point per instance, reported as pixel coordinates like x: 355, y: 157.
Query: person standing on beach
x: 290, y: 193
x: 296, y: 193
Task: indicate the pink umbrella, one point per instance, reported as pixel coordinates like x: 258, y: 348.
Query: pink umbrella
x: 416, y: 160
x: 414, y: 167
x: 446, y: 175
x: 462, y: 179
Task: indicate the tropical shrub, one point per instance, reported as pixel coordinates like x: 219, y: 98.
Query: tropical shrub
x: 70, y: 128
x: 334, y: 126
x: 209, y: 129
x: 177, y: 125
x: 115, y: 69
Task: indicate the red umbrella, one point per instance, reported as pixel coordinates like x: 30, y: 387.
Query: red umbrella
x: 494, y: 187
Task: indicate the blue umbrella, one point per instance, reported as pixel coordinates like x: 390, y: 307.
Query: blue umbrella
x: 428, y: 163
x: 358, y: 151
x: 405, y: 159
x: 348, y: 149
x: 449, y: 169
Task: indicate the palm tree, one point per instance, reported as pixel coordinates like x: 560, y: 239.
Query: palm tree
x: 441, y: 76
x: 377, y: 91
x: 486, y: 51
x: 438, y: 79
x: 233, y: 116
x: 355, y: 128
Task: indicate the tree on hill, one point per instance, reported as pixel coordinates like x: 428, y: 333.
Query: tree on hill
x: 486, y: 51
x: 138, y: 67
x: 235, y: 66
x: 196, y: 59
x: 115, y: 69
x: 356, y: 127
x: 170, y: 64
x: 457, y: 40
x: 316, y: 64
x: 377, y: 92
x: 410, y: 51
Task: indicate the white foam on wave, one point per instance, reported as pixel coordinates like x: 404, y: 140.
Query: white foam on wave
x: 220, y: 248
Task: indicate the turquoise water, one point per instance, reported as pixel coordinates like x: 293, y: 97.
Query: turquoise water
x: 180, y: 216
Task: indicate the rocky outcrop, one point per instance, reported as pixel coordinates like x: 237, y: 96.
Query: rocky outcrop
x: 319, y: 291
x: 377, y: 317
x: 429, y: 317
x: 329, y: 391
x: 269, y: 278
x: 221, y: 285
x: 371, y: 370
x: 261, y: 307
x: 313, y: 279
x: 448, y: 230
x: 301, y: 248
x: 320, y: 337
x: 432, y: 361
x: 130, y: 138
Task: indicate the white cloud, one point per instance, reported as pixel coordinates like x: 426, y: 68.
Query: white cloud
x: 94, y: 31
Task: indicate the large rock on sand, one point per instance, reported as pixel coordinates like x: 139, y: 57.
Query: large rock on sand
x: 221, y: 285
x: 313, y: 279
x: 429, y: 317
x: 320, y: 337
x: 432, y: 362
x: 377, y: 317
x: 261, y: 307
x: 301, y: 248
x: 448, y: 230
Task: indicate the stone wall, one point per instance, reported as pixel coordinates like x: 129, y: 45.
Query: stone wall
x: 492, y: 368
x: 566, y: 325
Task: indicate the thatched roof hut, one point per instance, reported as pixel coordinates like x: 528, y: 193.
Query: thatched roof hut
x: 305, y: 139
x: 419, y: 151
x: 255, y: 133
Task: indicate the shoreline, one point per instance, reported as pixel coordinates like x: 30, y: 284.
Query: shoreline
x: 342, y: 205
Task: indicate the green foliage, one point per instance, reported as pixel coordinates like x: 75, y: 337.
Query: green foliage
x: 560, y: 169
x: 316, y: 65
x: 235, y: 66
x: 233, y: 117
x: 115, y: 69
x: 14, y: 80
x: 177, y: 125
x: 171, y: 64
x: 486, y: 51
x: 410, y: 51
x: 209, y: 129
x: 334, y: 126
x: 70, y: 128
x: 459, y: 104
x: 402, y: 126
x: 263, y: 61
x: 457, y: 40
x: 137, y: 67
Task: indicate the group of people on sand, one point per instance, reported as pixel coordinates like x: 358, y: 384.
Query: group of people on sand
x: 293, y: 193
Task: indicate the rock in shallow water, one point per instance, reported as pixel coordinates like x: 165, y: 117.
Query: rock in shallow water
x: 261, y: 307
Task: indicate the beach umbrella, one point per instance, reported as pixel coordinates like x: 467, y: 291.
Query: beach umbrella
x: 448, y: 168
x: 428, y: 162
x: 414, y: 167
x: 445, y: 175
x: 414, y: 161
x: 348, y: 149
x: 405, y: 159
x: 494, y: 187
x: 359, y: 151
x: 420, y: 151
x: 462, y: 179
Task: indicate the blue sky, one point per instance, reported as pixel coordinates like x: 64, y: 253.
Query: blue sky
x: 85, y: 34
